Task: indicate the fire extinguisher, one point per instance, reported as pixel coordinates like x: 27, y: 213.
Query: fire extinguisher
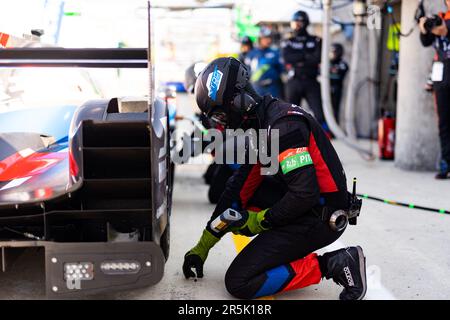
x: 386, y: 136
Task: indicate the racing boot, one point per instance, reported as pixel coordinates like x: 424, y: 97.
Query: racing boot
x: 444, y: 170
x: 347, y: 267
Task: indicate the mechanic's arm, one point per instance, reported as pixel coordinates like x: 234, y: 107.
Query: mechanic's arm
x: 238, y: 190
x: 278, y: 61
x: 300, y: 175
x: 343, y: 71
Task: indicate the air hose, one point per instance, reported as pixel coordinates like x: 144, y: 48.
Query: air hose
x: 402, y: 204
x: 325, y: 85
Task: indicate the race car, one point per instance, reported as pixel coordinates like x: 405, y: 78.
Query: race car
x: 91, y: 184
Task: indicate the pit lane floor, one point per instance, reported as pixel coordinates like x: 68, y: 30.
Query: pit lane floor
x: 407, y: 250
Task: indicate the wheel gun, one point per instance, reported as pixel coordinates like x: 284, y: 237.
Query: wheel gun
x: 225, y: 220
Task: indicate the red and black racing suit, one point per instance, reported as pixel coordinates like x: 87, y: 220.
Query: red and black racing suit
x: 442, y: 88
x: 281, y: 258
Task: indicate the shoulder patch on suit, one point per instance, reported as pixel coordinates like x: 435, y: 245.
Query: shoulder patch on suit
x: 294, y: 158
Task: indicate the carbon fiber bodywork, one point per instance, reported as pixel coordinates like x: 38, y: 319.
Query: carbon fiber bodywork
x: 112, y: 174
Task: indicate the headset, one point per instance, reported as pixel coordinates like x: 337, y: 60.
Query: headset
x: 239, y: 76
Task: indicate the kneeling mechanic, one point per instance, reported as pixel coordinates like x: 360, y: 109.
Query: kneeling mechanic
x: 291, y: 221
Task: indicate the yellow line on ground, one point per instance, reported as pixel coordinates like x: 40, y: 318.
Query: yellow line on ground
x: 240, y: 242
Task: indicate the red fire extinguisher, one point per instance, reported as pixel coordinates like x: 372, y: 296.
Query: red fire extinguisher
x: 386, y: 136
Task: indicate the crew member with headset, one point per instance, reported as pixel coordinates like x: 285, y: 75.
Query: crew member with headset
x: 265, y: 66
x: 299, y: 220
x: 434, y: 31
x: 338, y: 71
x: 246, y: 47
x: 301, y: 55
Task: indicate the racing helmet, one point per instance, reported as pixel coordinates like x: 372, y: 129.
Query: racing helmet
x: 246, y: 40
x: 265, y: 32
x: 301, y: 16
x: 337, y: 51
x: 221, y: 91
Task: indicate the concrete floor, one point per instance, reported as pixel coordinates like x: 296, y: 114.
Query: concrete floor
x: 407, y: 250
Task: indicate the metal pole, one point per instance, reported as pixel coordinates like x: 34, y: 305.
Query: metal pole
x: 151, y: 94
x: 325, y: 72
x: 325, y: 82
x: 359, y: 12
x: 417, y: 143
x: 151, y: 110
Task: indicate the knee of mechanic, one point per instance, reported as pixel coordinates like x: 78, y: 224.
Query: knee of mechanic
x: 239, y: 285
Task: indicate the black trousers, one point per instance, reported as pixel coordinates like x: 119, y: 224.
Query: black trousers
x: 309, y: 89
x: 274, y: 248
x: 442, y: 93
x: 278, y: 247
x: 336, y: 97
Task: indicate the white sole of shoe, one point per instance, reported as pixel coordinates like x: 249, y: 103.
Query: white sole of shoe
x: 362, y: 270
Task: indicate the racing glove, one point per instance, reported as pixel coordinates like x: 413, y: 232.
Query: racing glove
x: 251, y: 223
x: 196, y: 257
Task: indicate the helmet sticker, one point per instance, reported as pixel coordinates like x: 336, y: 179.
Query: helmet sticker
x: 213, y: 83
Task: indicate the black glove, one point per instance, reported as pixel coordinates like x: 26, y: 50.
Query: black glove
x: 251, y: 224
x: 192, y: 261
x: 196, y: 257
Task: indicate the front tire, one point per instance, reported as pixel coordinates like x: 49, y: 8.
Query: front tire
x: 165, y: 242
